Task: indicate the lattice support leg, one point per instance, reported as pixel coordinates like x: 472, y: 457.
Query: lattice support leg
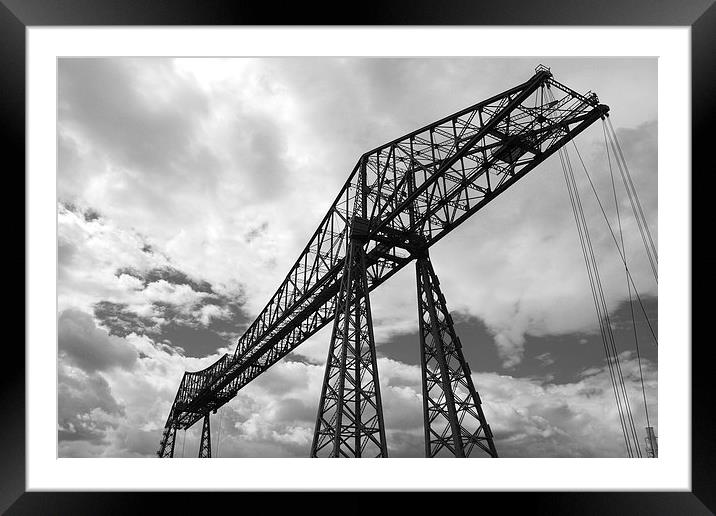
x: 350, y: 413
x: 166, y: 447
x: 205, y: 446
x: 453, y: 418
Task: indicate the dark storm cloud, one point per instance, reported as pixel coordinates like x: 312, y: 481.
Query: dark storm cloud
x: 120, y: 320
x: 180, y: 330
x: 555, y: 359
x: 476, y: 339
x: 179, y: 326
x: 194, y: 340
x: 89, y: 347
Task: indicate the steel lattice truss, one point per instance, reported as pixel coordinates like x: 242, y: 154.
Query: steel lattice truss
x: 412, y: 191
x: 454, y: 421
x: 205, y: 444
x: 350, y: 415
x: 169, y: 437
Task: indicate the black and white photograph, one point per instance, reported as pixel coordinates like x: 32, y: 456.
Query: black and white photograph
x: 357, y: 257
x: 264, y: 235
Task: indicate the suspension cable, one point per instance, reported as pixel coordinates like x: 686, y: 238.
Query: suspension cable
x: 183, y: 442
x: 608, y: 341
x: 622, y: 251
x: 633, y: 188
x: 619, y: 250
x: 626, y: 268
x: 602, y: 318
x: 649, y: 246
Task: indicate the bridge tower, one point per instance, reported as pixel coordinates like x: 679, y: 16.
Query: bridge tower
x: 350, y: 412
x: 453, y: 418
x: 205, y: 446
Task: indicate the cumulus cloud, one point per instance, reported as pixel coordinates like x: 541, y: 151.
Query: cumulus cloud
x: 108, y: 405
x: 120, y: 411
x: 209, y: 312
x: 530, y: 418
x: 132, y: 286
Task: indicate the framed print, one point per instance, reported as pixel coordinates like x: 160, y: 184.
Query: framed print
x: 216, y: 201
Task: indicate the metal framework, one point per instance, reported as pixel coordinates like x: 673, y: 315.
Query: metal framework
x: 453, y: 418
x: 350, y: 413
x: 410, y: 192
x: 205, y: 444
x: 168, y: 439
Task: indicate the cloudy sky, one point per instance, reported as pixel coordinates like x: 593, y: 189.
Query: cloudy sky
x: 186, y: 188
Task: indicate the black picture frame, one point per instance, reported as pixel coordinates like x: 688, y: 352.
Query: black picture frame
x: 700, y: 15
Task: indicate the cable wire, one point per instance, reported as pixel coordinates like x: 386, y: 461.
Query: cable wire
x: 587, y: 252
x: 613, y: 364
x: 649, y: 246
x: 614, y: 238
x: 626, y: 268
